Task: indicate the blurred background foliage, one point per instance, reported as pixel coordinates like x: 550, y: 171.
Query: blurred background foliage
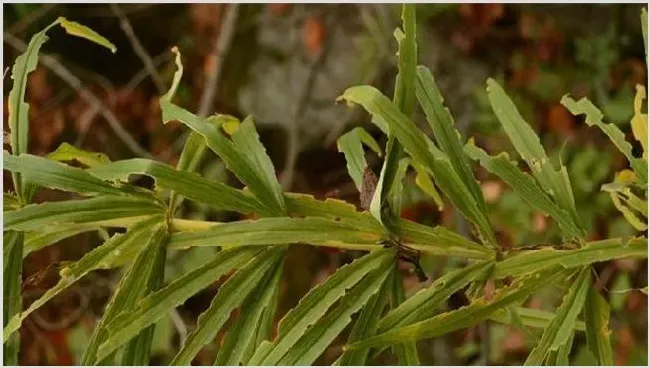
x: 285, y: 64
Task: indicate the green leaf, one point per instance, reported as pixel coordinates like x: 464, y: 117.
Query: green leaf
x: 25, y: 64
x: 247, y: 142
x: 597, y: 312
x: 79, y: 30
x: 326, y: 232
x: 67, y: 152
x: 230, y: 296
x: 315, y: 304
x: 138, y: 350
x: 407, y: 353
x: 366, y: 324
x: 214, y: 194
x: 190, y: 160
x: 441, y: 241
x: 10, y: 202
x: 423, y: 180
x: 315, y: 340
x: 523, y: 137
x: 84, y: 211
x: 526, y: 187
x: 18, y: 108
x: 279, y: 230
x: 562, y: 356
x: 423, y: 151
x: 42, y: 238
x: 155, y: 305
x: 593, y: 116
x: 597, y: 251
x: 479, y: 310
x: 299, y: 204
x: 407, y: 56
x: 558, y: 332
x: 351, y: 144
x: 422, y: 305
x: 244, y: 155
x: 12, y: 288
x: 388, y: 191
x: 55, y: 175
x: 108, y: 255
x: 531, y: 318
x: 447, y: 137
x: 131, y: 289
x: 241, y: 340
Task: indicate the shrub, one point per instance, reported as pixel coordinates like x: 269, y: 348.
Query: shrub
x: 370, y: 287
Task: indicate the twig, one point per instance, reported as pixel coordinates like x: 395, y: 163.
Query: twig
x: 138, y: 48
x: 142, y: 73
x: 25, y: 22
x: 4, y: 74
x: 68, y: 320
x: 178, y: 323
x: 293, y: 146
x: 74, y: 82
x: 221, y: 47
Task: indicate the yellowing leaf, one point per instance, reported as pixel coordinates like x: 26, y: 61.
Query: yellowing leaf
x: 625, y: 177
x: 79, y: 30
x: 640, y: 120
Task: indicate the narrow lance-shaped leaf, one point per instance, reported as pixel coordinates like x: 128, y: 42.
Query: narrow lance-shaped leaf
x: 131, y: 288
x: 155, y: 306
x: 597, y: 251
x: 526, y: 142
x: 598, y: 333
x: 315, y: 304
x: 84, y: 211
x: 526, y: 187
x: 138, y: 350
x: 312, y: 344
x: 67, y: 152
x: 25, y: 64
x: 387, y: 195
x: 243, y: 155
x: 593, y: 116
x: 422, y: 305
x: 241, y: 339
x: 279, y: 230
x: 467, y: 316
x: 531, y: 318
x: 193, y: 186
x: 366, y: 324
x: 407, y: 353
x: 422, y: 150
x: 230, y: 296
x: 79, y: 30
x: 560, y: 329
x: 55, y: 175
x: 351, y: 144
x: 12, y: 300
x: 326, y: 232
x: 106, y: 256
x: 18, y: 108
x: 447, y: 137
x: 40, y: 239
x: 562, y: 355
